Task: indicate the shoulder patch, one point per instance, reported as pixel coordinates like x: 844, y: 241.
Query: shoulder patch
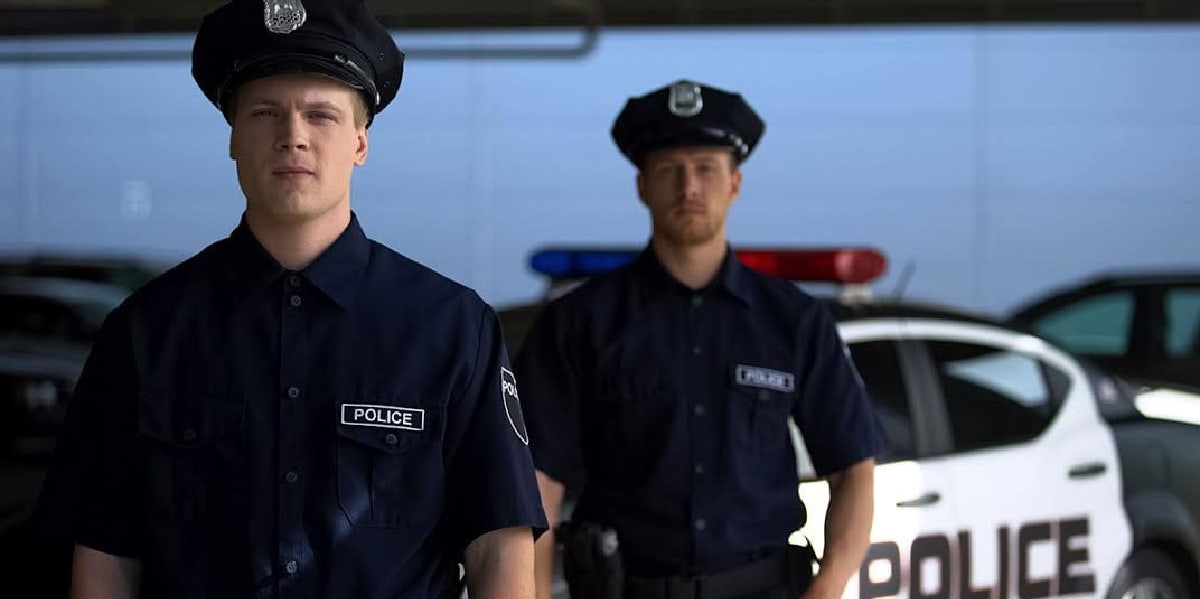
x: 512, y: 404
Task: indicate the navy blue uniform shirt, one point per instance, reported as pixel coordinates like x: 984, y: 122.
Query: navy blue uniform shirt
x: 670, y: 406
x: 340, y: 431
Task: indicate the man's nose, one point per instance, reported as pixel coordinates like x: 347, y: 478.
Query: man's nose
x: 686, y: 182
x: 293, y: 135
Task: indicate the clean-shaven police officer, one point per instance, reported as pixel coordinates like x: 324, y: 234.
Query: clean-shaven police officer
x: 297, y: 410
x: 664, y: 389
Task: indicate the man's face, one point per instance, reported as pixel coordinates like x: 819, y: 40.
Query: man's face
x: 688, y: 191
x: 296, y: 142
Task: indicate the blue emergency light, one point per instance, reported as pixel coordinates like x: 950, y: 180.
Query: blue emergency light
x: 578, y: 263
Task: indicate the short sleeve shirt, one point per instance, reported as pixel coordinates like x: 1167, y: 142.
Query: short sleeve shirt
x: 670, y: 407
x: 344, y: 430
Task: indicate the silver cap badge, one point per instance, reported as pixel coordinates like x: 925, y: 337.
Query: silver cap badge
x: 283, y: 16
x: 684, y: 99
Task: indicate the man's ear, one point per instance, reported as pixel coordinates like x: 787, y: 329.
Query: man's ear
x: 360, y: 153
x: 735, y: 182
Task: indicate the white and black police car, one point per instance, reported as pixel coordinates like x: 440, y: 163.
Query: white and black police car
x: 1014, y: 468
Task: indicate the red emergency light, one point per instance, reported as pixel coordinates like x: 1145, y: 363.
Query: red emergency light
x: 846, y: 266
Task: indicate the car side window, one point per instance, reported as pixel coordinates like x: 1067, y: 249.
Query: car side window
x: 1183, y: 322
x: 879, y: 365
x: 995, y: 396
x: 1097, y: 325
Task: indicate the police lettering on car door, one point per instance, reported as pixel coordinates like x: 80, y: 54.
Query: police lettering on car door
x: 948, y: 565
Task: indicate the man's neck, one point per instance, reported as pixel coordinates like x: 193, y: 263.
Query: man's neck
x: 693, y: 265
x: 296, y: 245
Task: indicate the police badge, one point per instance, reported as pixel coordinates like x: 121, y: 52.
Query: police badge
x: 684, y: 99
x: 283, y: 16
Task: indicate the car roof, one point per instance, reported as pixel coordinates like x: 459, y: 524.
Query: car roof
x: 848, y: 311
x: 1105, y: 281
x: 63, y: 289
x: 842, y: 310
x: 81, y: 258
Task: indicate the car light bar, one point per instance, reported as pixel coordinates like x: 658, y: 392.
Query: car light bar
x: 846, y: 266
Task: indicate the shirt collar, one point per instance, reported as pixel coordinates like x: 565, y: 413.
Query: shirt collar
x: 337, y: 272
x: 732, y: 276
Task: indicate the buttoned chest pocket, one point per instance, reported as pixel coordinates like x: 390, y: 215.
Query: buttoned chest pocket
x: 194, y: 458
x: 389, y: 464
x: 759, y: 418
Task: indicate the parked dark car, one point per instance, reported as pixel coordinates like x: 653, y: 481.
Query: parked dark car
x: 1142, y: 326
x: 47, y: 326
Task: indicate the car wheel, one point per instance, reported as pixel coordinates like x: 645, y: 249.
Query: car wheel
x: 1149, y: 574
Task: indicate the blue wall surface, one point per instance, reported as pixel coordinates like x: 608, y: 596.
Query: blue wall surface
x: 999, y: 161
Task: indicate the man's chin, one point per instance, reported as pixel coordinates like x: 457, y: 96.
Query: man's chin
x: 689, y: 236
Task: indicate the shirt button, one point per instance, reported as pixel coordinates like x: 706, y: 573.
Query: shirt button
x: 292, y: 478
x: 699, y: 468
x: 700, y: 410
x: 189, y: 435
x: 697, y: 300
x: 294, y: 280
x: 700, y: 524
x: 295, y: 301
x: 697, y: 350
x: 293, y: 392
x: 391, y: 439
x: 291, y: 567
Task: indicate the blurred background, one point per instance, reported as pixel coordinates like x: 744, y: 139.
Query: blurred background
x: 995, y: 150
x: 992, y: 149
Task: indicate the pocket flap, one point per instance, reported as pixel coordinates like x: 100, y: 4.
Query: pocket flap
x: 189, y: 422
x: 384, y: 440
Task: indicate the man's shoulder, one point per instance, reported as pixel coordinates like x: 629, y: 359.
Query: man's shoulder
x: 389, y: 271
x: 175, y: 281
x: 598, y: 290
x: 781, y: 295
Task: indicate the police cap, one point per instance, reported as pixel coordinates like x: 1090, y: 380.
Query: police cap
x: 248, y: 39
x: 687, y: 113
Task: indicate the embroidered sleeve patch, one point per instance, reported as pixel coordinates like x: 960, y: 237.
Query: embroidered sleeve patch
x: 512, y: 404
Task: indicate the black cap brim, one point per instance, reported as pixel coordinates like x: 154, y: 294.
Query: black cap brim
x: 344, y: 71
x: 692, y: 136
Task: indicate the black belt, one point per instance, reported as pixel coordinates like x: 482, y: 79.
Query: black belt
x: 767, y: 574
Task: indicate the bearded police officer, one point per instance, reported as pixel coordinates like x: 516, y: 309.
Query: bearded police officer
x: 664, y: 389
x: 297, y: 410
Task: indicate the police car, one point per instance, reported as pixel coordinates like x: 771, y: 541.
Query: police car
x: 1014, y: 469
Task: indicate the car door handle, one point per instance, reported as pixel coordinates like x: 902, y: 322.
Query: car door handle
x: 929, y: 498
x: 1088, y: 470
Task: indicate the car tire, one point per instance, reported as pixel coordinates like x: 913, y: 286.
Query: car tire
x: 1149, y: 574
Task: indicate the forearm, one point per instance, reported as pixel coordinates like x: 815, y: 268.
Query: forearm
x: 500, y: 565
x: 552, y: 494
x: 98, y: 575
x: 847, y: 529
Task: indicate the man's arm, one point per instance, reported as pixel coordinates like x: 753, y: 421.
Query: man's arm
x: 500, y: 564
x: 847, y: 528
x: 98, y: 575
x: 552, y: 496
